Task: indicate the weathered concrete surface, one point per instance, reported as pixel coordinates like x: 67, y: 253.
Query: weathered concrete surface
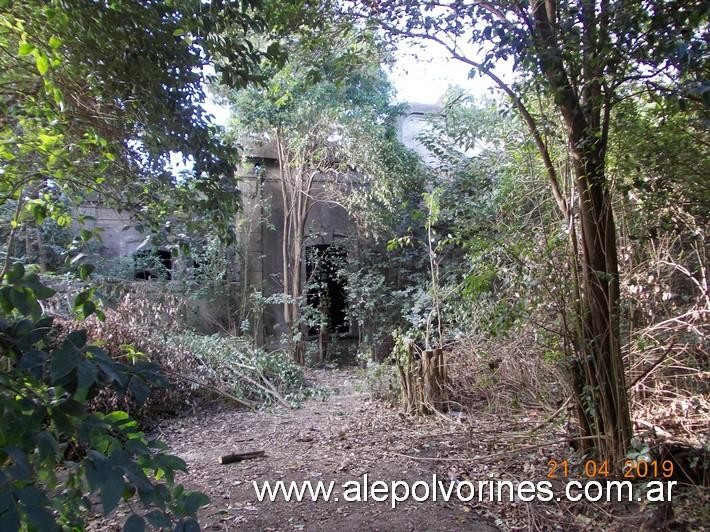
x: 261, y: 223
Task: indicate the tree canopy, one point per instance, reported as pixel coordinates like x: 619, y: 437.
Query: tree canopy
x: 96, y: 98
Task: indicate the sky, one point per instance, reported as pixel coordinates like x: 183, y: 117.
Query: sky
x: 421, y: 74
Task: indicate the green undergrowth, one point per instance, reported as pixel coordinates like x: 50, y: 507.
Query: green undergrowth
x: 247, y: 371
x: 197, y: 367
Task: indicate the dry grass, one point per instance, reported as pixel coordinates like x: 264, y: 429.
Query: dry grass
x: 197, y: 368
x: 508, y: 373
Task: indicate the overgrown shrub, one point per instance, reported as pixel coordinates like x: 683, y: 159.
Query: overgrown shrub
x: 196, y: 366
x: 380, y: 380
x: 523, y: 369
x: 56, y: 454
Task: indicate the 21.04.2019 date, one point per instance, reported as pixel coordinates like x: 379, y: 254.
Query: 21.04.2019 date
x: 633, y: 469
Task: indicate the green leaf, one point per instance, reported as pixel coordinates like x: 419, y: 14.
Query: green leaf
x: 195, y: 500
x: 82, y: 297
x: 9, y: 516
x: 128, y: 493
x: 111, y: 369
x: 63, y: 220
x: 274, y: 49
x: 40, y: 518
x: 76, y: 338
x: 25, y: 49
x: 16, y: 273
x: 116, y: 416
x: 38, y: 211
x: 46, y: 445
x: 64, y: 361
x: 32, y: 282
x: 138, y: 389
x: 111, y: 489
x: 5, y: 302
x: 31, y: 496
x: 158, y: 519
x: 187, y: 525
x: 21, y: 300
x: 88, y: 308
x: 57, y: 95
x: 23, y: 327
x: 42, y: 63
x: 33, y: 361
x: 173, y: 462
x: 43, y: 292
x: 134, y: 523
x: 54, y: 42
x: 85, y: 270
x: 86, y: 376
x: 20, y: 468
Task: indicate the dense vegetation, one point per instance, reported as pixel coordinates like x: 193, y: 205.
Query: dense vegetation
x: 550, y: 250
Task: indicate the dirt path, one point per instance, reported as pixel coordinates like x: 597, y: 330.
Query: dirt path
x: 339, y: 439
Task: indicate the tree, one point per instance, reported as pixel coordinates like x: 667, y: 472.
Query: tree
x: 54, y: 451
x: 95, y: 98
x: 98, y: 98
x: 323, y: 111
x: 585, y: 56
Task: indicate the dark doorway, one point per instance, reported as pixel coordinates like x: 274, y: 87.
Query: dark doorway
x: 323, y: 262
x: 153, y: 264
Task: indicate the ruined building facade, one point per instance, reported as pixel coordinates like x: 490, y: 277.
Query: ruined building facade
x: 329, y: 229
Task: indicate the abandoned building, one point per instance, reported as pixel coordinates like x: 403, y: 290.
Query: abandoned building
x: 329, y: 233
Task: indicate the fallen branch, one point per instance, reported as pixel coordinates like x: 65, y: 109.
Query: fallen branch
x: 244, y: 402
x: 271, y: 390
x: 240, y: 457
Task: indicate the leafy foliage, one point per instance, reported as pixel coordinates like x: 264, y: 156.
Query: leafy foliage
x: 327, y: 114
x: 54, y: 452
x: 152, y: 324
x: 100, y: 99
x: 96, y: 99
x: 245, y: 370
x: 581, y: 56
x: 381, y: 381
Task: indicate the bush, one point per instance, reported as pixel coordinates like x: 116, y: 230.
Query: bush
x: 524, y: 368
x: 55, y: 453
x: 196, y: 366
x: 380, y: 380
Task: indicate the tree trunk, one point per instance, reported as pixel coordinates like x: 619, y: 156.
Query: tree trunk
x: 41, y: 251
x: 295, y: 209
x: 604, y: 397
x: 298, y: 346
x: 603, y: 401
x: 292, y: 294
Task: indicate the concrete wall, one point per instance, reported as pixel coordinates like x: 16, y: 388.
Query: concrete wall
x: 261, y: 221
x: 119, y: 238
x: 412, y: 124
x: 261, y: 196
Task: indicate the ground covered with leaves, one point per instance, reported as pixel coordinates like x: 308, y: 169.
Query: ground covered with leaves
x: 345, y: 435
